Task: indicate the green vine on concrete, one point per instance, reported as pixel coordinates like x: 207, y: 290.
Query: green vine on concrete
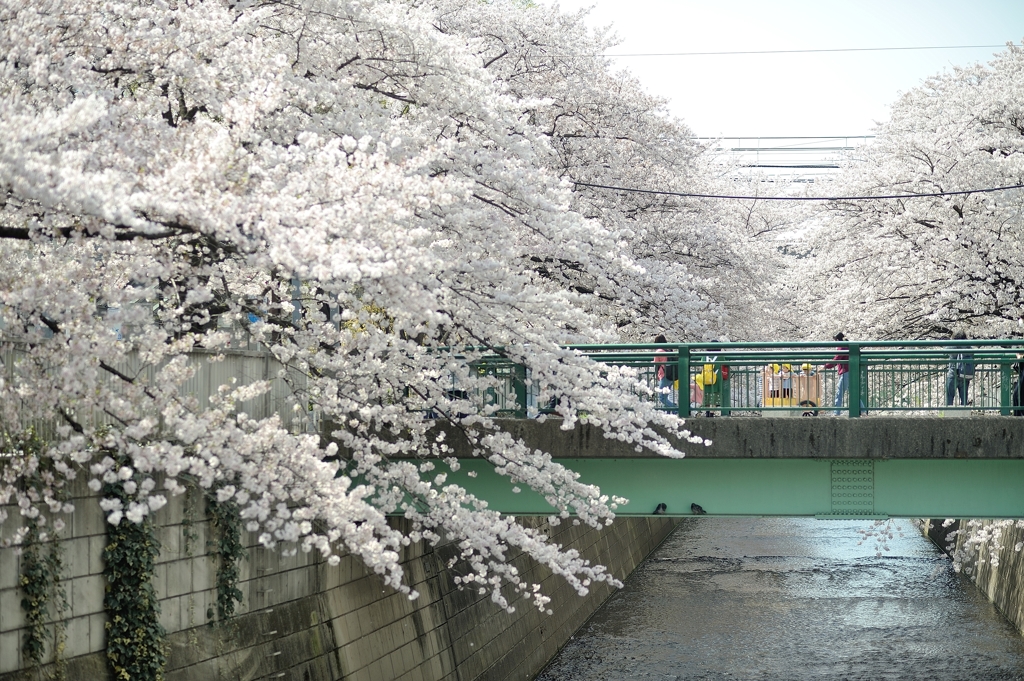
x: 135, y: 638
x: 35, y: 582
x: 40, y: 579
x: 226, y: 522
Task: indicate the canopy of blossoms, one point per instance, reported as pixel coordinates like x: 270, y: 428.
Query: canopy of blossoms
x: 354, y: 188
x: 922, y: 267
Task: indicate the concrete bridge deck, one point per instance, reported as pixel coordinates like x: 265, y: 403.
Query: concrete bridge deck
x: 748, y: 437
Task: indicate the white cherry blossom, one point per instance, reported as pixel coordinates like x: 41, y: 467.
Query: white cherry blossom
x: 352, y: 188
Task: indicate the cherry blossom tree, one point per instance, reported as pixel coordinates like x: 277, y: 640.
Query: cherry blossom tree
x: 920, y: 267
x: 354, y: 188
x: 701, y: 271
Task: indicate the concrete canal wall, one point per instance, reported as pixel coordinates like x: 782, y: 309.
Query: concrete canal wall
x: 302, y: 620
x: 1002, y: 579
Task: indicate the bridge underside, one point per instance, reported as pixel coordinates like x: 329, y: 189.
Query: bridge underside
x: 826, y: 467
x: 828, y: 488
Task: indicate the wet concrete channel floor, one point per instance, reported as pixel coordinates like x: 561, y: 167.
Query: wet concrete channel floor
x: 790, y: 598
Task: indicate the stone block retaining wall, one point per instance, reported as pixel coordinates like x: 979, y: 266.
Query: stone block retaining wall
x: 302, y: 620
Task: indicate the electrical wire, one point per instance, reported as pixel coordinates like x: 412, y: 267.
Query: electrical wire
x: 798, y: 198
x: 787, y: 137
x: 837, y: 49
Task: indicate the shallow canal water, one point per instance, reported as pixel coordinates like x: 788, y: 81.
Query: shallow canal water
x: 772, y: 598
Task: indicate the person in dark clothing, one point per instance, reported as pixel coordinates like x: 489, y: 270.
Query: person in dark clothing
x: 960, y: 372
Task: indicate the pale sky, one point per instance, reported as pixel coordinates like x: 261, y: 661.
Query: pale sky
x: 822, y: 94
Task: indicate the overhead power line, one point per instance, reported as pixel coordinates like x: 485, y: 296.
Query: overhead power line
x: 786, y: 137
x: 794, y: 166
x: 836, y: 49
x: 798, y: 198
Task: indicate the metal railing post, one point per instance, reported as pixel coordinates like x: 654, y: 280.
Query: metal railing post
x: 1005, y: 387
x: 855, y: 380
x: 725, y: 374
x: 683, y: 373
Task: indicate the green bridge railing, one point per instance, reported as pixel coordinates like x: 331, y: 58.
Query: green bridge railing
x: 776, y: 379
x: 800, y: 379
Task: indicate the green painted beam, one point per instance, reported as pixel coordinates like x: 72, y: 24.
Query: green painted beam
x: 915, y: 488
x: 950, y: 488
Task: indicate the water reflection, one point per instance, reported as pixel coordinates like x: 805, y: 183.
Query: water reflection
x: 767, y: 598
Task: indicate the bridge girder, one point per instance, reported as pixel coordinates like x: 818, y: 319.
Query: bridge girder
x: 825, y: 467
x: 827, y: 488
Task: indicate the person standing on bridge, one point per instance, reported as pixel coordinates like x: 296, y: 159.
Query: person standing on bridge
x: 666, y: 373
x: 841, y: 362
x: 960, y: 372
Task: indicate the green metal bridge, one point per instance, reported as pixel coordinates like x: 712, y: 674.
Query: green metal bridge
x: 893, y: 377
x: 897, y: 450
x: 829, y: 468
x: 912, y: 439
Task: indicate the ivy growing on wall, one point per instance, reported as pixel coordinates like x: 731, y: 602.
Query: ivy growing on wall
x: 226, y: 543
x: 39, y: 572
x: 42, y: 559
x: 136, y: 642
x: 135, y: 638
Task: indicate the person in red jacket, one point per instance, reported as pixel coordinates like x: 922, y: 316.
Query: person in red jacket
x: 841, y: 362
